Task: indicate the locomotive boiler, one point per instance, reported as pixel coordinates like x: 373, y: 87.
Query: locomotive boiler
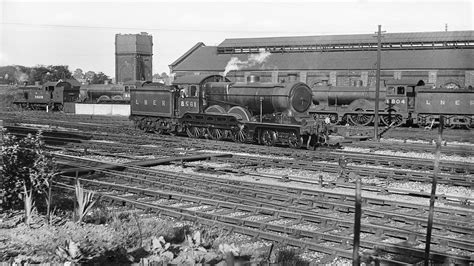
x: 260, y: 99
x: 332, y: 95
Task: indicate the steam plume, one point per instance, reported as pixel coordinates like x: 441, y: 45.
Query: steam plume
x: 253, y: 60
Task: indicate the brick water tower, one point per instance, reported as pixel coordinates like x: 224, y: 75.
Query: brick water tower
x: 133, y: 57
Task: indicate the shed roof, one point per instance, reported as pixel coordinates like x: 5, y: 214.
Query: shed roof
x: 206, y: 59
x: 350, y: 38
x: 196, y: 46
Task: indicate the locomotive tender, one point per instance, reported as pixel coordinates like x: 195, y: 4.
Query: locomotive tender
x: 400, y: 102
x: 211, y: 106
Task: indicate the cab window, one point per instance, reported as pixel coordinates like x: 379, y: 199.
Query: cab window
x: 391, y: 91
x: 194, y: 91
x: 400, y: 90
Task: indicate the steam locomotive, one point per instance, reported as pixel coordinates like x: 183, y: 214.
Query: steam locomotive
x: 211, y: 106
x: 400, y: 102
x: 51, y: 96
x: 106, y: 93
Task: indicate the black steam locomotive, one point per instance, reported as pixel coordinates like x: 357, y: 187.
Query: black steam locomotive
x: 400, y: 102
x: 51, y: 95
x: 211, y: 106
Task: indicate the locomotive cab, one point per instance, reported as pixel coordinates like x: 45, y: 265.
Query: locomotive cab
x: 189, y: 100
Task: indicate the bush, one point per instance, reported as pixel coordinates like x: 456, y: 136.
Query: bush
x: 25, y: 163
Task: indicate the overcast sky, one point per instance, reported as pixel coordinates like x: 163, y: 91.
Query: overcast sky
x: 81, y: 34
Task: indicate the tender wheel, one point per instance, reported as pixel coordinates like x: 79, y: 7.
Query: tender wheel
x: 241, y: 134
x: 268, y: 138
x: 294, y: 141
x: 394, y: 118
x: 194, y: 132
x: 216, y: 134
x: 361, y: 119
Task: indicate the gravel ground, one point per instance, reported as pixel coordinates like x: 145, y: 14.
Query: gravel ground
x: 249, y: 154
x: 392, y: 140
x: 422, y: 155
x: 108, y: 159
x: 448, y: 190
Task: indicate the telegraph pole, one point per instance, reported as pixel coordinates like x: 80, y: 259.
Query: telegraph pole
x: 377, y: 84
x: 433, y: 190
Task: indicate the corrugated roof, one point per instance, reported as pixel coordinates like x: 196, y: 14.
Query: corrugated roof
x: 350, y: 38
x: 207, y: 59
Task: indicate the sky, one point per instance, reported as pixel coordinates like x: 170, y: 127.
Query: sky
x: 81, y: 34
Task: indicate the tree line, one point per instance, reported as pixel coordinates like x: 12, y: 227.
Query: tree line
x: 21, y: 75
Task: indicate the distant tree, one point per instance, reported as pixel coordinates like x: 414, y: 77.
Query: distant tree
x: 59, y: 72
x: 164, y: 75
x: 156, y: 76
x: 7, y: 74
x: 99, y: 78
x: 89, y: 75
x: 39, y: 73
x: 78, y: 74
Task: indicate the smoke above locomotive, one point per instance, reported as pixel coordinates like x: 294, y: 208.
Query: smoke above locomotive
x: 253, y: 60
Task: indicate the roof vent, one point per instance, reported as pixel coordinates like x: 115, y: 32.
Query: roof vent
x: 253, y: 79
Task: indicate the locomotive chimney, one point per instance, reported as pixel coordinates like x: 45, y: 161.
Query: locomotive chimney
x: 253, y: 79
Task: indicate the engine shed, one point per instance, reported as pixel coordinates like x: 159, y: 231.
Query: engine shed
x: 443, y: 59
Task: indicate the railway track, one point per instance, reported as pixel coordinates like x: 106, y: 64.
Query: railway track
x: 394, y: 168
x: 330, y: 213
x: 305, y: 156
x: 114, y: 124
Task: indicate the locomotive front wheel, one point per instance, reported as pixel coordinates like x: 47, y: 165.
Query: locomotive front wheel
x: 268, y: 138
x: 216, y: 134
x: 240, y: 135
x: 294, y: 141
x: 361, y: 119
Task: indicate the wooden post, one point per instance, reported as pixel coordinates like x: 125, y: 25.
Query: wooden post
x: 357, y: 217
x: 377, y: 84
x: 433, y: 190
x: 75, y: 200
